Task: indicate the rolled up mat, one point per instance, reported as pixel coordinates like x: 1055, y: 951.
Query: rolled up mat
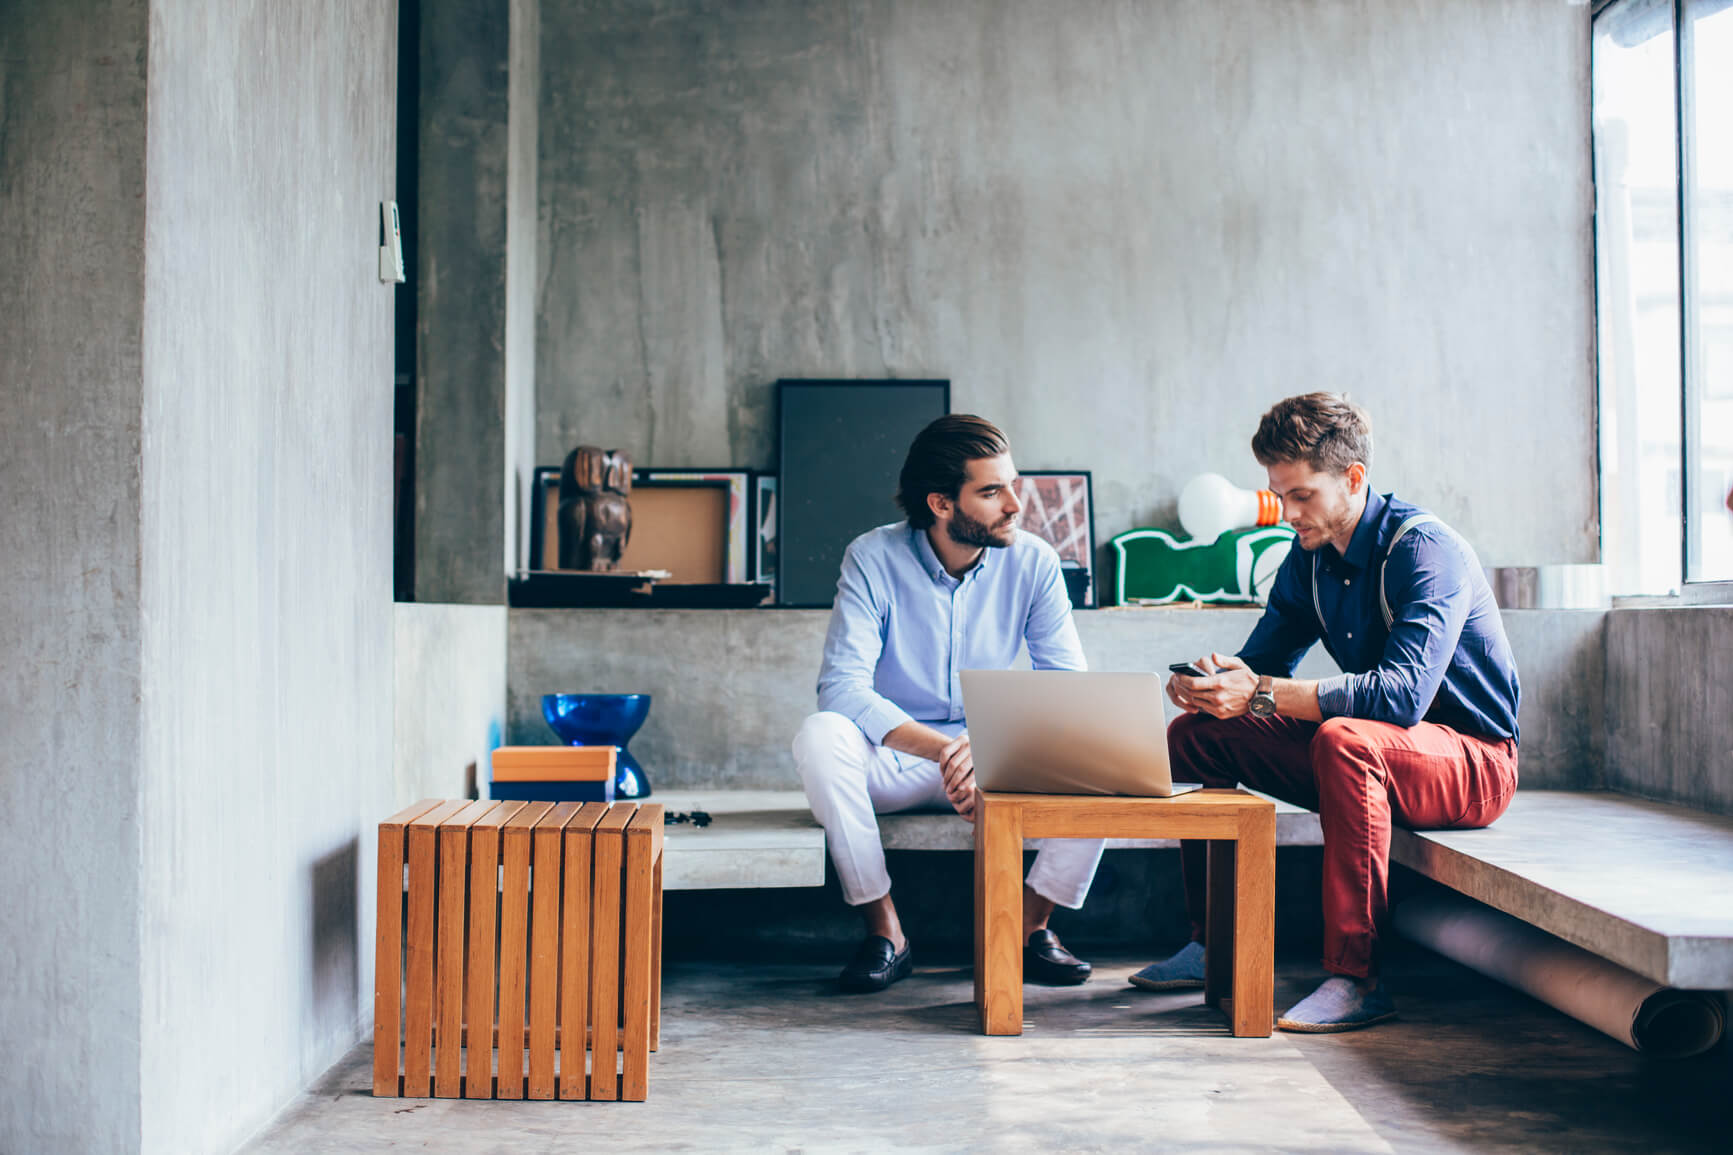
x: 1641, y: 1013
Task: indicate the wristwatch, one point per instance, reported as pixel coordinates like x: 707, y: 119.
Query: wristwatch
x: 1264, y: 701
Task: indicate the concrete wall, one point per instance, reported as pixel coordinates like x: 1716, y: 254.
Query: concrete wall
x: 450, y: 701
x: 72, y: 228
x: 1561, y: 659
x: 731, y: 687
x: 1166, y: 215
x: 267, y: 552
x: 1670, y: 705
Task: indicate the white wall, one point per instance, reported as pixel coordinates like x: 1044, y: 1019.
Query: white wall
x: 450, y: 699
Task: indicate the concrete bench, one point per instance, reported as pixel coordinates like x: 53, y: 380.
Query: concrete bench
x: 768, y: 838
x: 1645, y: 884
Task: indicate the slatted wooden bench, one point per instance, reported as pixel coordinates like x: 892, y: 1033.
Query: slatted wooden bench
x: 555, y: 910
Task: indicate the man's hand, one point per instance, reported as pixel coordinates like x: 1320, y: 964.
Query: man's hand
x: 957, y: 766
x: 1226, y: 693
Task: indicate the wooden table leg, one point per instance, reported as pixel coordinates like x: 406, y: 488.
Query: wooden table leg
x: 1255, y: 925
x: 1219, y: 924
x: 998, y: 917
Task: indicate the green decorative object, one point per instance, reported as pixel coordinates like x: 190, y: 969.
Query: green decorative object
x: 1155, y: 568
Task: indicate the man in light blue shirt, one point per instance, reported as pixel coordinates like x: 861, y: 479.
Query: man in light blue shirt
x: 957, y: 586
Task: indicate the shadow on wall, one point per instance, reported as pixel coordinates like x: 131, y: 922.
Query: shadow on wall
x: 336, y: 968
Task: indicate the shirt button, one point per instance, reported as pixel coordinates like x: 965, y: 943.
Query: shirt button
x: 1347, y: 581
x: 1350, y: 635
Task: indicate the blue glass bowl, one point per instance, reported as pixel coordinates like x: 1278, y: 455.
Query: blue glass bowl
x: 603, y: 720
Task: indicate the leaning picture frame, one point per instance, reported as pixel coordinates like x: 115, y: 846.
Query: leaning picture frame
x: 544, y: 518
x: 840, y: 446
x: 764, y: 530
x: 1059, y: 508
x: 738, y: 483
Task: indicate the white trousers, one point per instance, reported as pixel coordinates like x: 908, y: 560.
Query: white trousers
x: 848, y: 781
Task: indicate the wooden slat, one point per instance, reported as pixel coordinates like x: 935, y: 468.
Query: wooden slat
x: 484, y: 837
x: 545, y: 948
x: 513, y: 944
x: 388, y: 948
x: 418, y: 995
x: 575, y: 951
x: 553, y: 763
x: 1255, y: 925
x: 448, y: 984
x: 605, y: 893
x: 637, y: 936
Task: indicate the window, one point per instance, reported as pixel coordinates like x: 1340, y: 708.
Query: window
x: 1706, y: 118
x: 1663, y: 86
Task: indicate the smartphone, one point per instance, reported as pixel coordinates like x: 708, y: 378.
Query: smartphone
x: 1188, y: 669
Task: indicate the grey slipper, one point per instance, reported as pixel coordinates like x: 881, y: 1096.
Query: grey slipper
x: 1338, y: 1005
x: 1184, y: 971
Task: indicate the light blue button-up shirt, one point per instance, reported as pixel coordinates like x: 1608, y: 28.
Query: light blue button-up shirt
x: 902, y: 629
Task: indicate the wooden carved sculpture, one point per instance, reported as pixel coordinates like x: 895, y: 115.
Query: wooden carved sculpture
x: 595, y: 515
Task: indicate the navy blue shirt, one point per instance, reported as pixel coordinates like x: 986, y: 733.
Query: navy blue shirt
x: 1444, y: 659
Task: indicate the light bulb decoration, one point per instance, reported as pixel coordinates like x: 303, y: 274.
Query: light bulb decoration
x: 1210, y: 505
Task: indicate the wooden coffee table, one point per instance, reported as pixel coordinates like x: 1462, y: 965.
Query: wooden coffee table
x: 1240, y: 925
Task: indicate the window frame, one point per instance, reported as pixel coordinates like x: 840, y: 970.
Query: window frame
x: 1713, y: 591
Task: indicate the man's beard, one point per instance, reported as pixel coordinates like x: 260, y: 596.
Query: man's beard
x: 966, y: 531
x: 1328, y: 532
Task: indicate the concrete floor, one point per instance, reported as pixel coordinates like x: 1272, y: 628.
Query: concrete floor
x: 770, y: 1058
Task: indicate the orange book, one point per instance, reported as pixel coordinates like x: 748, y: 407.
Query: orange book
x: 553, y: 764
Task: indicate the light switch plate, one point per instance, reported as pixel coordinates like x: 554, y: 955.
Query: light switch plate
x: 390, y: 244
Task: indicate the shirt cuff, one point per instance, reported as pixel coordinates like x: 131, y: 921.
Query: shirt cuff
x: 880, y: 719
x: 1336, y: 696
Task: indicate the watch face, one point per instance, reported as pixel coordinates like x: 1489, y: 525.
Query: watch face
x: 1263, y: 705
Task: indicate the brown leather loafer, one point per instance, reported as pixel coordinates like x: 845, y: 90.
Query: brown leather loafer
x: 1046, y: 961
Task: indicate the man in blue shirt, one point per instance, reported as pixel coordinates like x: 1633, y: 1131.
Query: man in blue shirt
x: 955, y: 587
x: 1420, y: 729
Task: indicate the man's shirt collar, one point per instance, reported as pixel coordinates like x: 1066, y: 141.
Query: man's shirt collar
x: 923, y: 547
x: 1365, y: 538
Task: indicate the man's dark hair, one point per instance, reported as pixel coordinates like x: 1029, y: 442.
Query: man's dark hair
x: 938, y: 461
x: 1325, y: 430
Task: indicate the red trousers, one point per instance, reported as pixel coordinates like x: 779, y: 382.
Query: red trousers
x: 1360, y: 777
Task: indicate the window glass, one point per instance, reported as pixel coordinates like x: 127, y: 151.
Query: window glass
x: 1637, y: 285
x: 1707, y: 42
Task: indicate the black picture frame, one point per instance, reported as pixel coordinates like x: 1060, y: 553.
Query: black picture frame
x: 1049, y: 517
x: 840, y: 447
x: 545, y: 487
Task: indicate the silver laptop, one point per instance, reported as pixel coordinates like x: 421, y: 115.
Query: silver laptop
x: 1069, y: 732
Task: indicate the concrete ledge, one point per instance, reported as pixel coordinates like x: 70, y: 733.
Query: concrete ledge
x: 1646, y: 884
x: 756, y: 838
x: 767, y: 838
